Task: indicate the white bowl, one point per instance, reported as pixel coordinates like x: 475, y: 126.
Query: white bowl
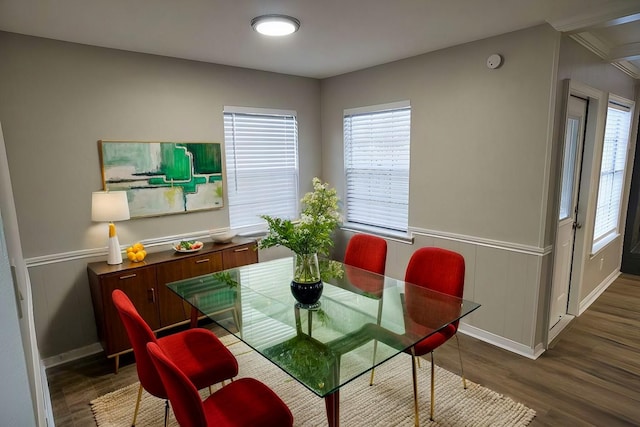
x: 224, y: 237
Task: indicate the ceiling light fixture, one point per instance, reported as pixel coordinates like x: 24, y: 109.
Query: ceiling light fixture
x: 275, y: 25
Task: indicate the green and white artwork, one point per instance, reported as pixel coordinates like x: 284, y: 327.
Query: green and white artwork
x: 163, y: 178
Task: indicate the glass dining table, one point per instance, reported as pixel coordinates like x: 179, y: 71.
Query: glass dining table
x: 363, y: 319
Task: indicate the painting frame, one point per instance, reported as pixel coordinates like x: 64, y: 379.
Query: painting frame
x: 164, y: 177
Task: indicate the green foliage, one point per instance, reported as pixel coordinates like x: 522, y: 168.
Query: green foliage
x: 226, y: 278
x: 312, y: 233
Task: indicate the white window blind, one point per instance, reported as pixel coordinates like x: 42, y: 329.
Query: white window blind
x: 376, y: 146
x: 612, y: 172
x: 261, y: 148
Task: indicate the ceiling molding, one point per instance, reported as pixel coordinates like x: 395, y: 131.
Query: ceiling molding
x: 628, y: 67
x: 607, y: 52
x: 593, y: 43
x: 617, y: 14
x: 626, y: 51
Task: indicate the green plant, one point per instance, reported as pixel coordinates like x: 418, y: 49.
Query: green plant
x: 226, y: 278
x: 312, y: 233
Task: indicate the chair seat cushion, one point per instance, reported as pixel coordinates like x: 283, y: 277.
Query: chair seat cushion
x: 434, y: 341
x: 200, y: 355
x: 246, y: 402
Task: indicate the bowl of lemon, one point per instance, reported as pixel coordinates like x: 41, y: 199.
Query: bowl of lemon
x: 136, y: 252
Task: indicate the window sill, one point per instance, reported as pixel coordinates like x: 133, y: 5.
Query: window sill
x: 381, y: 232
x: 603, y: 243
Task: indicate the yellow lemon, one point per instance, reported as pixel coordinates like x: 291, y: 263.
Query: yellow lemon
x: 143, y: 252
x: 139, y: 256
x: 130, y: 249
x: 131, y: 255
x: 138, y: 247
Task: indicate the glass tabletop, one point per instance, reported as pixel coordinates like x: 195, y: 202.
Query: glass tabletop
x: 363, y: 319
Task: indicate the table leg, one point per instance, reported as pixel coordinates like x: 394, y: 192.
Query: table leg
x: 332, y: 403
x: 296, y: 311
x: 194, y: 317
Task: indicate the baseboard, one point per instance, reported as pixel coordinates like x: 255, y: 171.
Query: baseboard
x: 48, y: 409
x: 498, y: 341
x: 72, y: 355
x: 559, y: 327
x: 590, y: 299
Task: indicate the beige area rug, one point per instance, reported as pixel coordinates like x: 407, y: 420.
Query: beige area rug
x: 389, y: 402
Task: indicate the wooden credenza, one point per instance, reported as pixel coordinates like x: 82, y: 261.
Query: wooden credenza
x: 145, y: 284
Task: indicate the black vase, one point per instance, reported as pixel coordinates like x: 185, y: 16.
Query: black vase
x: 307, y: 294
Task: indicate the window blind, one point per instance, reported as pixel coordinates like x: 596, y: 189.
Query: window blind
x: 377, y: 167
x: 261, y: 152
x: 612, y: 171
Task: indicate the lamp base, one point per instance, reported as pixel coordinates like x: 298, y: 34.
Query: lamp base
x: 115, y: 254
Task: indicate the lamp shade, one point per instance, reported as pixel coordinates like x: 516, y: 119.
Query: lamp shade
x: 108, y: 206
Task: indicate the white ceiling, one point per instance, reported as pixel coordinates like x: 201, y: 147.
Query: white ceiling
x: 335, y: 37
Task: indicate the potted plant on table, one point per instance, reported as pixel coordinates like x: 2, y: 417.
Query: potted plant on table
x: 307, y: 237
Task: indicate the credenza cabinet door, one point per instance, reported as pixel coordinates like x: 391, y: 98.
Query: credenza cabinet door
x: 172, y: 308
x: 140, y: 287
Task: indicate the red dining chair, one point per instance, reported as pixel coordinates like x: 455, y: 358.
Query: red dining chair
x: 367, y: 252
x: 244, y: 402
x: 198, y: 352
x: 440, y: 270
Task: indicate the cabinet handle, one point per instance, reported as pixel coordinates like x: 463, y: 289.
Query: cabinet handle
x: 200, y: 261
x: 241, y: 250
x: 128, y: 276
x: 152, y: 292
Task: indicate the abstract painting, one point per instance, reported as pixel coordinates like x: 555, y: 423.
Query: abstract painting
x: 163, y: 178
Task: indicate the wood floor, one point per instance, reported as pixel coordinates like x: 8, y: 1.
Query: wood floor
x: 590, y: 376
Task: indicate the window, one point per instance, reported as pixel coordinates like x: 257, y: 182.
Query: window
x: 261, y: 149
x: 376, y: 147
x: 612, y: 172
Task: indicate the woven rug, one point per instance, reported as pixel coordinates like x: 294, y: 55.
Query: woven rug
x: 389, y: 402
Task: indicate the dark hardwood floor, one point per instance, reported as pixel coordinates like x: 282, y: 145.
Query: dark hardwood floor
x: 589, y: 377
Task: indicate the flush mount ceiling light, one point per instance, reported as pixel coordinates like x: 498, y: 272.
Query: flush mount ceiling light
x: 275, y: 25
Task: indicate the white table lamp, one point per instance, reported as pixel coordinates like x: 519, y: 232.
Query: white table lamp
x: 110, y: 206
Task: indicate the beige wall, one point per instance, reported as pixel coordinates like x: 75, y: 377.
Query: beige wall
x: 480, y: 156
x: 578, y: 64
x: 482, y: 173
x: 58, y: 99
x: 479, y: 137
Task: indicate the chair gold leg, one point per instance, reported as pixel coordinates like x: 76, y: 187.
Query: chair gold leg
x: 166, y: 412
x: 209, y: 390
x: 419, y: 362
x: 415, y: 388
x: 375, y: 347
x: 464, y: 381
x: 135, y: 412
x: 433, y: 388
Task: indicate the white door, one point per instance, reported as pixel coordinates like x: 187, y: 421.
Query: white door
x: 567, y: 224
x: 23, y: 394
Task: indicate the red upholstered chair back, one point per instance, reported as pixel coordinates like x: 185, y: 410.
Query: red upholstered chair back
x: 185, y: 400
x: 367, y: 252
x: 437, y: 269
x: 139, y: 334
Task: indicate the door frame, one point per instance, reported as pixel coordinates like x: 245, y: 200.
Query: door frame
x: 594, y: 131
